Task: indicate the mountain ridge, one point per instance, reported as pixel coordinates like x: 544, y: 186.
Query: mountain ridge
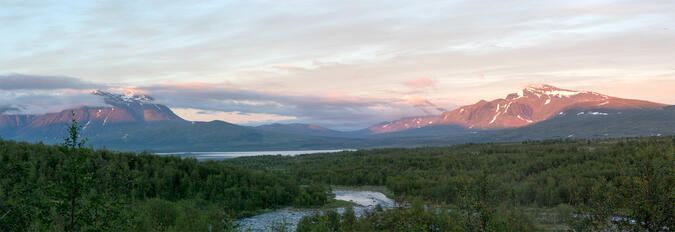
x: 135, y: 122
x: 534, y: 103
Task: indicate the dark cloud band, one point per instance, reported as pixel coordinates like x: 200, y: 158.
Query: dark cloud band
x: 38, y: 82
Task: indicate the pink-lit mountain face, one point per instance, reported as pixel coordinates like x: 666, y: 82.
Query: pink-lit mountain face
x: 403, y: 124
x: 122, y: 109
x: 533, y: 104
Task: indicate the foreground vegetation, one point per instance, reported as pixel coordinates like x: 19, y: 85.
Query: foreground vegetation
x: 597, y: 184
x: 585, y: 185
x: 73, y: 188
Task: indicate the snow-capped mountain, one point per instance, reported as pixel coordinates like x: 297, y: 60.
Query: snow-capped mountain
x: 123, y: 108
x: 135, y: 108
x: 403, y: 124
x: 530, y: 105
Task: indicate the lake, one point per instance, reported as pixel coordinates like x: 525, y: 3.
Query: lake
x: 203, y: 156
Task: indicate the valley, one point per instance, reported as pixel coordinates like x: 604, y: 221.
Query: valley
x: 337, y: 116
x: 524, y: 186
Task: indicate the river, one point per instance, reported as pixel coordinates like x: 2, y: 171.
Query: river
x: 363, y: 200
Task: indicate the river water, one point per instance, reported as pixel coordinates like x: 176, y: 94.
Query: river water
x: 363, y: 200
x: 203, y: 156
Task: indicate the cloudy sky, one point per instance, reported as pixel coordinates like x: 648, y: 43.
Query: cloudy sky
x: 339, y: 64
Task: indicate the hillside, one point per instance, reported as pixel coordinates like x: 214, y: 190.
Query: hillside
x: 135, y: 123
x: 530, y: 105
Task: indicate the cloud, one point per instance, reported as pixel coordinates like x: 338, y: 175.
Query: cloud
x: 225, y: 101
x: 224, y: 38
x: 16, y: 81
x: 8, y: 108
x: 332, y: 63
x: 335, y: 111
x: 421, y: 82
x: 231, y: 117
x: 39, y: 94
x: 425, y: 105
x: 48, y: 101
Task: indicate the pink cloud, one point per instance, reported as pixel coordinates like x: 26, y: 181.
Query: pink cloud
x: 421, y: 82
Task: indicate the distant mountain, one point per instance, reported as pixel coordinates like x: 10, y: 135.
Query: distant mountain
x: 533, y: 104
x: 571, y: 124
x: 427, y: 131
x: 313, y: 130
x: 403, y: 124
x: 134, y: 108
x: 123, y: 109
x: 222, y: 136
x: 589, y: 124
x: 134, y: 122
x: 208, y: 136
x: 300, y: 128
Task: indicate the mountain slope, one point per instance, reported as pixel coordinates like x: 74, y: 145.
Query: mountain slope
x: 533, y: 104
x: 403, y: 124
x: 302, y: 129
x: 133, y: 122
x: 123, y: 109
x: 593, y: 123
x: 209, y: 136
x: 221, y: 136
x: 571, y: 124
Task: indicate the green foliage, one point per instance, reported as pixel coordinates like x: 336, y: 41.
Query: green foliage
x: 641, y: 198
x: 311, y: 196
x: 78, y: 182
x: 416, y: 218
x: 594, y: 185
x: 327, y: 221
x: 600, y: 180
x: 348, y: 218
x: 50, y: 188
x: 192, y: 215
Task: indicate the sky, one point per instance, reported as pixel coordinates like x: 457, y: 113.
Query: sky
x: 340, y: 64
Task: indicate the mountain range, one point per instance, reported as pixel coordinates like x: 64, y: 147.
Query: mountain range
x: 531, y: 105
x: 134, y: 122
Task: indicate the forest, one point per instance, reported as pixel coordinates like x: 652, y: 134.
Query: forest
x: 600, y: 184
x: 585, y: 185
x: 74, y: 188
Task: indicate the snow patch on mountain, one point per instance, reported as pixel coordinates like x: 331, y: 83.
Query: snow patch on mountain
x: 527, y: 120
x: 592, y: 113
x: 124, y: 100
x: 494, y: 118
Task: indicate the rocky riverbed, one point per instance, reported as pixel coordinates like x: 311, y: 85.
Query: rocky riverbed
x: 289, y: 217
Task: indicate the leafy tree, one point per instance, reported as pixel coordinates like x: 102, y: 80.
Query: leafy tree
x: 648, y: 189
x: 71, y: 187
x: 79, y: 177
x: 348, y: 218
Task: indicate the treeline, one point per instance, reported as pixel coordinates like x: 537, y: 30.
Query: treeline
x: 608, y: 182
x: 416, y: 218
x: 54, y: 188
